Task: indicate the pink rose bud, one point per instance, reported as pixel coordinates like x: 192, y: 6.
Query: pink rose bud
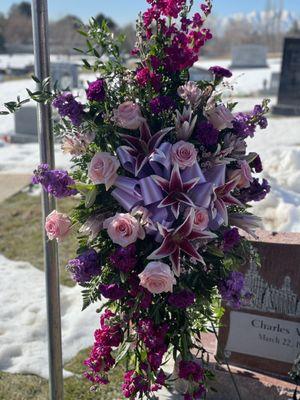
x: 124, y: 229
x: 157, y: 277
x: 57, y: 225
x: 201, y: 219
x: 103, y: 169
x: 220, y: 117
x: 128, y: 115
x: 184, y: 154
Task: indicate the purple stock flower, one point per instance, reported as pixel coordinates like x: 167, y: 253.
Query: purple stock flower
x: 68, y: 107
x: 124, y: 258
x: 243, y: 126
x: 220, y: 72
x: 161, y: 103
x: 206, y: 134
x: 183, y: 299
x: 112, y: 292
x: 256, y: 164
x: 96, y: 90
x: 232, y: 289
x: 134, y: 383
x: 231, y: 239
x: 191, y: 370
x: 255, y: 192
x: 84, y: 267
x: 55, y: 182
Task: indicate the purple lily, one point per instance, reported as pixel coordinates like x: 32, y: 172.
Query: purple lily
x: 141, y: 148
x: 177, y: 190
x: 180, y: 240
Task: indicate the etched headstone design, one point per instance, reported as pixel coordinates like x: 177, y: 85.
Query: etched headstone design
x: 65, y: 74
x: 25, y: 125
x: 249, y: 56
x: 289, y: 89
x: 268, y: 326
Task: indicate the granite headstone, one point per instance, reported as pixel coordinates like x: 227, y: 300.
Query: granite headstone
x: 289, y: 89
x: 264, y: 335
x: 200, y: 74
x: 65, y: 74
x: 249, y: 56
x: 25, y: 125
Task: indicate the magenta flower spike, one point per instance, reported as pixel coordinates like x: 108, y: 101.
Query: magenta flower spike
x: 141, y: 148
x: 180, y: 240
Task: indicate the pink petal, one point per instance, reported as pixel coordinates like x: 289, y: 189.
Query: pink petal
x: 222, y: 210
x: 183, y: 198
x: 168, y: 201
x: 161, y: 182
x: 197, y: 234
x: 189, y: 249
x: 157, y: 139
x: 145, y: 133
x: 175, y: 209
x: 132, y: 141
x: 167, y: 248
x: 175, y: 260
x: 187, y: 186
x: 187, y: 226
x: 176, y: 181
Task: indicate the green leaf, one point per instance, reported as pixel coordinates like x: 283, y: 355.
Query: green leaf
x: 91, y: 197
x: 122, y: 352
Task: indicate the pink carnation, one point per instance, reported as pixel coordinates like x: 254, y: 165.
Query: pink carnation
x: 128, y: 115
x: 57, y: 225
x: 184, y: 154
x: 103, y: 169
x: 124, y: 229
x: 201, y: 219
x: 157, y: 277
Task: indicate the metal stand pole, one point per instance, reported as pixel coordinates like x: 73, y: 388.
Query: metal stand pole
x: 42, y: 71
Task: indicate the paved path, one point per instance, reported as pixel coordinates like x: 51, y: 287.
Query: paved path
x: 11, y: 184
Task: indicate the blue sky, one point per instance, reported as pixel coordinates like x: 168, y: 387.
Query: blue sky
x: 124, y: 11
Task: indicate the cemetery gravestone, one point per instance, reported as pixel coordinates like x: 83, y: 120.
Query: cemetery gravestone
x: 289, y: 89
x: 274, y: 84
x: 249, y: 56
x: 264, y: 335
x: 200, y: 74
x: 65, y: 74
x: 25, y: 125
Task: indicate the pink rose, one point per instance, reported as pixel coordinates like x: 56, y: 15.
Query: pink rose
x: 201, y: 219
x: 103, y: 169
x: 157, y: 277
x: 57, y: 225
x: 124, y: 229
x: 220, y: 117
x: 184, y: 154
x: 242, y: 175
x: 128, y: 116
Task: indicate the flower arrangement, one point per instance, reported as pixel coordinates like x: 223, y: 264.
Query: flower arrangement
x: 164, y: 180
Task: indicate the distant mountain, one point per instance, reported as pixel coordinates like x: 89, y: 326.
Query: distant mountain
x: 262, y: 21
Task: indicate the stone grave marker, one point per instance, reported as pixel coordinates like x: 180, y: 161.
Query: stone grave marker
x: 264, y: 335
x: 25, y: 125
x: 249, y: 56
x: 200, y: 74
x: 65, y: 74
x: 274, y: 83
x: 289, y: 89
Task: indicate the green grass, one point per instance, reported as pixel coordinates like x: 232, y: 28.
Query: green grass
x: 21, y: 239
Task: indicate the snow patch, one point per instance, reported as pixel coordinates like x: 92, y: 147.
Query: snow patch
x: 23, y: 342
